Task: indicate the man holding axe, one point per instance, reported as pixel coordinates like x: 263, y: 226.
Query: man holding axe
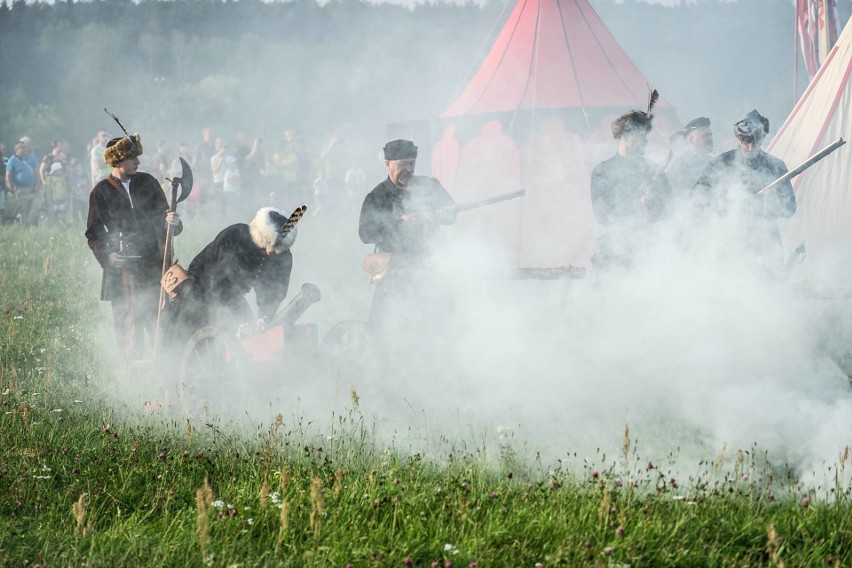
x: 128, y: 222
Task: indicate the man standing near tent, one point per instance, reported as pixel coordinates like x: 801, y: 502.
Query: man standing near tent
x: 629, y: 193
x: 687, y: 168
x: 731, y: 188
x: 401, y: 216
x: 126, y: 230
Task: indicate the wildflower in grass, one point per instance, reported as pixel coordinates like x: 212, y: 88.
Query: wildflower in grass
x: 438, y: 490
x: 619, y: 531
x: 539, y: 565
x: 492, y: 495
x: 608, y: 550
x: 594, y: 475
x: 407, y: 561
x: 449, y: 548
x: 805, y: 502
x: 161, y: 456
x: 218, y: 504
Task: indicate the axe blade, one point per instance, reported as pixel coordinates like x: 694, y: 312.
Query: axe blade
x: 185, y: 180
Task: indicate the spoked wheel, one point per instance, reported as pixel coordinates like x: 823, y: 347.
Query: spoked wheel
x: 210, y: 374
x: 346, y: 343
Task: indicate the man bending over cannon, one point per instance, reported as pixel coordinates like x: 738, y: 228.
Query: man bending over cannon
x: 241, y: 257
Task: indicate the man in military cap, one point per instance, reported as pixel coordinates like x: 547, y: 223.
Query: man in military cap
x: 401, y: 216
x: 126, y: 230
x: 685, y: 170
x: 628, y: 191
x: 731, y: 186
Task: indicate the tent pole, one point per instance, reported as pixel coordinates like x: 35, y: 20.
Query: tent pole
x: 796, y: 53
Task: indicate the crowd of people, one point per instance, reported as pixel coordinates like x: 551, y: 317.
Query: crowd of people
x: 233, y: 175
x: 128, y: 217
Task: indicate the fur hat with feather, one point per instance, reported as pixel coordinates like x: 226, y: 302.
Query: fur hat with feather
x: 265, y: 230
x: 120, y: 149
x: 635, y: 120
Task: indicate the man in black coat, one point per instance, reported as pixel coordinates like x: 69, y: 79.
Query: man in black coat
x: 126, y: 230
x: 628, y: 192
x: 731, y: 187
x: 402, y: 216
x: 241, y: 257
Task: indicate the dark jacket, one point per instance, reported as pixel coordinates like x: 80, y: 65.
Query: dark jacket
x: 618, y: 185
x: 232, y: 264
x: 732, y: 172
x: 380, y: 221
x: 139, y: 218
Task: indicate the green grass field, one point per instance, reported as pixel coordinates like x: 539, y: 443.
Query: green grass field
x: 88, y: 479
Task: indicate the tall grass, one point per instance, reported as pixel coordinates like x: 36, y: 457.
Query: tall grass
x: 88, y: 481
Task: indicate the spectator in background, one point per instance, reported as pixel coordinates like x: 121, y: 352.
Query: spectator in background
x: 291, y: 164
x: 78, y: 188
x: 217, y: 168
x: 250, y: 162
x: 231, y: 184
x: 22, y: 183
x: 3, y: 189
x: 160, y: 162
x: 201, y: 166
x: 53, y: 174
x: 99, y: 168
x: 29, y: 157
x: 176, y: 168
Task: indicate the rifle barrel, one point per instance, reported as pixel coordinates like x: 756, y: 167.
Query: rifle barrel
x: 486, y: 201
x: 806, y: 164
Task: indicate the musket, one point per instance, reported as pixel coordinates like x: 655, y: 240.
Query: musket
x: 459, y: 207
x: 803, y: 166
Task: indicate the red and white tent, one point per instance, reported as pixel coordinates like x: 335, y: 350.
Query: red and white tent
x: 551, y: 56
x: 823, y: 220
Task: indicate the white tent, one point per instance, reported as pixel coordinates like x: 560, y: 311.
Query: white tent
x: 823, y: 220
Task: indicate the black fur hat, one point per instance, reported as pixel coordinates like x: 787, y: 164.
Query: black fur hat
x: 753, y: 128
x: 400, y: 150
x: 636, y: 120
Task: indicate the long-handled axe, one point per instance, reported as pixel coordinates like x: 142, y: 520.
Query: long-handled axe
x: 185, y: 184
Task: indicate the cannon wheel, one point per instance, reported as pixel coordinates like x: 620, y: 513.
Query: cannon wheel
x: 210, y: 373
x: 345, y: 343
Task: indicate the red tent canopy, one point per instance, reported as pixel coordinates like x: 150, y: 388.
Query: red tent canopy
x: 553, y: 54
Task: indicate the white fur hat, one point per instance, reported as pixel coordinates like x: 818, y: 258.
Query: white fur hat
x: 265, y: 230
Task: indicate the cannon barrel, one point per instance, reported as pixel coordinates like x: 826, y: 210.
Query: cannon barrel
x: 307, y: 296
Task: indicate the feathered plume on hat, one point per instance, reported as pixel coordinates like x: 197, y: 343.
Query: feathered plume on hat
x: 120, y: 149
x: 265, y: 230
x: 636, y: 120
